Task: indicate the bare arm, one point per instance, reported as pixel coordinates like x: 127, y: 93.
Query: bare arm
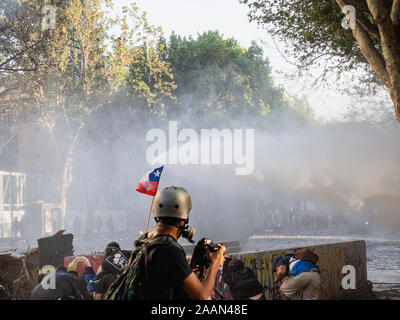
x: 280, y: 273
x: 201, y: 290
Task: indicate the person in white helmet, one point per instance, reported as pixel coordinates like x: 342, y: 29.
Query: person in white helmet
x: 158, y: 269
x: 170, y: 274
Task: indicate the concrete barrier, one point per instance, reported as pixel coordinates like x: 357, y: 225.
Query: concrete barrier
x: 332, y: 258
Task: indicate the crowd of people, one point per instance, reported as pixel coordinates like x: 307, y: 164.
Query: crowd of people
x: 157, y: 267
x: 69, y: 285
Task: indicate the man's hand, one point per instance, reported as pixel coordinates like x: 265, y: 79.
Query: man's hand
x: 280, y: 273
x: 216, y: 258
x: 275, y: 286
x: 197, y: 290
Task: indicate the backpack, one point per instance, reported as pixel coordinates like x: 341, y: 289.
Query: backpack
x: 90, y: 279
x: 306, y: 254
x: 241, y: 280
x: 131, y: 284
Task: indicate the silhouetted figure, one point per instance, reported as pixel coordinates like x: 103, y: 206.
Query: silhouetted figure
x: 77, y: 226
x: 22, y: 227
x: 15, y: 227
x: 99, y: 224
x: 88, y: 279
x: 110, y: 225
x: 89, y: 226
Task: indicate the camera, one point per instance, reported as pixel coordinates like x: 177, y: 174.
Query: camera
x: 213, y: 247
x: 199, y: 261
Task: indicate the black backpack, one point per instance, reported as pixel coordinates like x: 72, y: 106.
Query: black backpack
x: 131, y: 284
x: 306, y: 254
x: 241, y: 280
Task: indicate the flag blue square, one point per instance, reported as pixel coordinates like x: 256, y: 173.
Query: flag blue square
x: 155, y: 175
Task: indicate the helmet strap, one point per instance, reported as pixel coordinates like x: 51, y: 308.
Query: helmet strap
x: 185, y: 231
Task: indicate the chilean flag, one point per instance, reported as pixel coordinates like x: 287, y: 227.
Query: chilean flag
x: 149, y: 183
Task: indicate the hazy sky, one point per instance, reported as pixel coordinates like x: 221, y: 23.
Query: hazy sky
x: 188, y: 17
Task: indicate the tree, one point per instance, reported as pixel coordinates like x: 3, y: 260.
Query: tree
x: 219, y: 79
x: 313, y: 28
x: 21, y: 45
x: 83, y: 68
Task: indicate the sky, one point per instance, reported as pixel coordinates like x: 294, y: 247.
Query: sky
x: 189, y: 17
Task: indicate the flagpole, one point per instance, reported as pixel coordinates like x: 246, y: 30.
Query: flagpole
x: 154, y: 194
x: 148, y: 220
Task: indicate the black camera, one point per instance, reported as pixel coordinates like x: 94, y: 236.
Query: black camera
x: 200, y: 260
x: 213, y: 247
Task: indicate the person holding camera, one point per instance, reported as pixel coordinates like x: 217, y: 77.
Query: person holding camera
x: 157, y: 268
x: 170, y: 276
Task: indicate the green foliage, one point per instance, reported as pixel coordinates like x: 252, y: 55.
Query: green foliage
x: 21, y: 44
x: 150, y: 79
x: 211, y: 76
x: 62, y: 85
x: 217, y: 77
x: 312, y: 29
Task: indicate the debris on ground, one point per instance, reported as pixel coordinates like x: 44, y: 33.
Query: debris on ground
x: 18, y: 274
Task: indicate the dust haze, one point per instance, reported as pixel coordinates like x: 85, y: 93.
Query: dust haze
x: 343, y: 178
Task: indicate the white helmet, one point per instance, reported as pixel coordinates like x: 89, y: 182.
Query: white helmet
x: 172, y: 202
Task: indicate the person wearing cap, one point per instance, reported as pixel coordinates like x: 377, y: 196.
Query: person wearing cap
x: 115, y: 259
x: 171, y: 278
x: 296, y: 275
x: 112, y: 266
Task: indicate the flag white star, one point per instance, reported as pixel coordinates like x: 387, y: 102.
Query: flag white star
x: 157, y: 173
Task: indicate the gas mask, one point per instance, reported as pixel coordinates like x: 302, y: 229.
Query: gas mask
x: 187, y: 232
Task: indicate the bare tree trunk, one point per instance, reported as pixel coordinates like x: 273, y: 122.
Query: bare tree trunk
x: 66, y: 178
x: 385, y: 65
x: 390, y: 47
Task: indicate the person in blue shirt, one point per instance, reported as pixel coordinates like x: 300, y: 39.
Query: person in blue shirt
x: 296, y: 276
x: 66, y: 287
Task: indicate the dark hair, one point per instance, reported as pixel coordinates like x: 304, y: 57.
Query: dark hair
x: 88, y: 270
x: 111, y: 248
x: 114, y: 244
x: 275, y: 262
x: 170, y: 221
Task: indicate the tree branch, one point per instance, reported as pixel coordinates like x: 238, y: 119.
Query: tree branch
x: 10, y: 138
x: 379, y: 10
x: 6, y: 91
x: 395, y: 14
x: 368, y: 26
x: 363, y: 21
x: 369, y: 51
x: 17, y: 55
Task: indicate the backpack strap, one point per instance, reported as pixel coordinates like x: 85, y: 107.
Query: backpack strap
x: 162, y: 239
x: 156, y: 241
